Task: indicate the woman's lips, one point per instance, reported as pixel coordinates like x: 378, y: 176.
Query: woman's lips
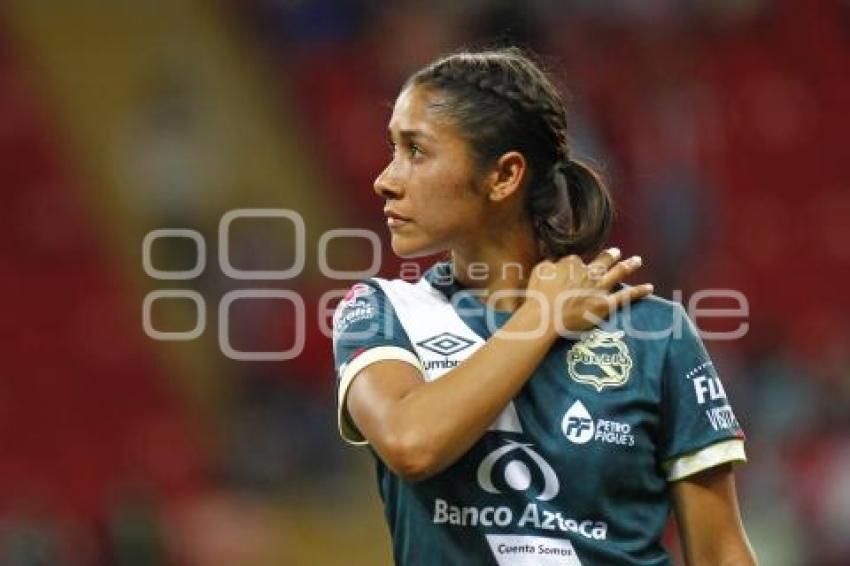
x: 394, y: 219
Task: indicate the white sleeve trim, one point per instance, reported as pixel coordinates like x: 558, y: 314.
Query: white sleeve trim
x: 719, y: 453
x: 347, y: 430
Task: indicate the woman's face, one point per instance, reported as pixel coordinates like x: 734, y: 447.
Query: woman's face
x: 431, y: 199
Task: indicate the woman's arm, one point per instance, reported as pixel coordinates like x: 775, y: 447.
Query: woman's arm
x: 710, y: 526
x: 419, y: 428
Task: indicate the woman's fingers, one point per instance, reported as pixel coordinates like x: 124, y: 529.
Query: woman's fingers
x: 582, y: 293
x: 606, y: 304
x: 620, y: 271
x: 603, y: 262
x: 629, y: 295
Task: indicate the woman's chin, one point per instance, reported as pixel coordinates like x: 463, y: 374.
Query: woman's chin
x: 406, y: 248
x: 405, y: 251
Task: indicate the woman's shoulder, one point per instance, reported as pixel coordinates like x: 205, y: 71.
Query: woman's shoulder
x: 659, y: 305
x: 651, y: 313
x: 653, y: 304
x: 437, y: 277
x: 382, y: 292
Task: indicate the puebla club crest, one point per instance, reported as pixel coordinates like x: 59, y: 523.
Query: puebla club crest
x: 600, y: 359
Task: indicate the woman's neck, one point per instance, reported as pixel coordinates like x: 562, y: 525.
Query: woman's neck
x: 501, y: 265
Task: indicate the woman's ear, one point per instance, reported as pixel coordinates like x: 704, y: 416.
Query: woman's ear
x: 507, y: 176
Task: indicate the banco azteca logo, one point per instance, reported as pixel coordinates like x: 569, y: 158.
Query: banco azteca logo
x: 600, y: 359
x: 514, y: 473
x: 445, y: 344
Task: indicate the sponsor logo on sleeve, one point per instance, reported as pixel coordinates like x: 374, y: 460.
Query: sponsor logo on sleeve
x: 708, y: 389
x: 600, y: 359
x: 357, y: 291
x: 358, y: 304
x: 722, y: 418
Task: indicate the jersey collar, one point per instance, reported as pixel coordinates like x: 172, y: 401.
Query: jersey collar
x: 442, y: 278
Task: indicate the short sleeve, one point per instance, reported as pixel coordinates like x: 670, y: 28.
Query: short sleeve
x: 365, y: 330
x: 700, y: 430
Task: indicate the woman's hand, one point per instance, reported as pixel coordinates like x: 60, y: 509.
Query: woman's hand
x: 578, y: 295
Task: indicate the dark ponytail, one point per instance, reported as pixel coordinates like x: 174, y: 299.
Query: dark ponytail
x: 572, y: 215
x: 502, y: 101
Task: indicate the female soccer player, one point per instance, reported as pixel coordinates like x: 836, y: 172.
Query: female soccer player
x: 524, y: 406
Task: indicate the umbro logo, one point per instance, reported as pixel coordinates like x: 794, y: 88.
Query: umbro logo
x: 445, y: 344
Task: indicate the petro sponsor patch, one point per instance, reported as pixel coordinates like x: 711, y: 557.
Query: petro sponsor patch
x: 600, y: 359
x: 580, y: 428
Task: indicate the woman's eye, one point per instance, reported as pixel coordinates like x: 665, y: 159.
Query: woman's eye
x: 412, y: 149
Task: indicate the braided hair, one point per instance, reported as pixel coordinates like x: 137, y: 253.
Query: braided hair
x: 502, y: 101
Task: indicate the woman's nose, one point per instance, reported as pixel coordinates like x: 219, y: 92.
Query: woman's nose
x: 386, y: 185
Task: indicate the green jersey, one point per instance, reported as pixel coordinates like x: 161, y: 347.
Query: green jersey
x: 577, y: 468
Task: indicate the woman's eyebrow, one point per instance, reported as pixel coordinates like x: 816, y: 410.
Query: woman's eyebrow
x: 409, y: 134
